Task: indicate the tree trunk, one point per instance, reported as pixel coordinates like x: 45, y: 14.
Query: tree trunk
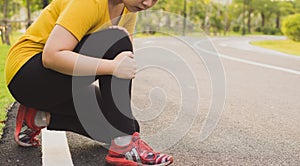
x: 249, y: 21
x: 28, y: 13
x: 207, y: 17
x: 226, y: 26
x: 263, y: 18
x: 5, y: 31
x: 278, y: 20
x: 184, y: 18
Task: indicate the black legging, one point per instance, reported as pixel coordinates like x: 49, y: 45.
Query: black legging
x: 47, y: 90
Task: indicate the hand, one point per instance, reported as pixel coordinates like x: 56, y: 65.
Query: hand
x: 123, y: 29
x: 125, y: 65
x: 120, y: 28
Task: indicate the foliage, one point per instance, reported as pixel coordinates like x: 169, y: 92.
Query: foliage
x: 269, y: 30
x: 291, y: 27
x: 14, y: 6
x: 210, y: 15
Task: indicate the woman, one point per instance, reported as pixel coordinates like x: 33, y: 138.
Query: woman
x: 41, y: 66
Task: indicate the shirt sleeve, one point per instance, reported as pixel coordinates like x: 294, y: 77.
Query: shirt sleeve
x: 79, y: 16
x: 129, y: 22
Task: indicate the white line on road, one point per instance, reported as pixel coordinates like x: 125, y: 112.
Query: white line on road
x: 55, y: 149
x: 196, y: 45
x: 261, y: 64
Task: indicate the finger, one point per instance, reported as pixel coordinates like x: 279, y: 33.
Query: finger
x: 125, y: 53
x: 117, y: 27
x: 131, y: 55
x: 123, y: 29
x: 113, y: 27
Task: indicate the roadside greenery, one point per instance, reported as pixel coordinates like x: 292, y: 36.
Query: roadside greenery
x: 285, y: 46
x: 220, y: 17
x: 291, y: 27
x: 214, y: 17
x: 5, y: 97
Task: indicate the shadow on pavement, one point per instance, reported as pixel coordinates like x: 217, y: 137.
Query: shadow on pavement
x: 85, y: 151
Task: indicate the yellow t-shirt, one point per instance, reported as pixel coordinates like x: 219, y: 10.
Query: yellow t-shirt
x: 80, y: 17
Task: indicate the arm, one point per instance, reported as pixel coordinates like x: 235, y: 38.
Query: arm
x: 58, y: 56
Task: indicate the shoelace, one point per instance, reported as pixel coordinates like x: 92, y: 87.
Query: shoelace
x: 35, y: 141
x: 145, y: 148
x: 31, y: 133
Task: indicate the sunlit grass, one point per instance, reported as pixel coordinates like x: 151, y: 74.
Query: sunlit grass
x: 285, y: 46
x: 5, y: 97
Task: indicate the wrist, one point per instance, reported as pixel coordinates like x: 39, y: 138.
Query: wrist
x: 105, y: 67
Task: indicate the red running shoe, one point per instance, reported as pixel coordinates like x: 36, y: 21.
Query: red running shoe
x: 26, y: 131
x: 137, y: 153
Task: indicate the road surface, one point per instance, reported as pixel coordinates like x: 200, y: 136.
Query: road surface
x: 217, y: 101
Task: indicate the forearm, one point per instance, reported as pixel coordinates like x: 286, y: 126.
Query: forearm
x: 58, y: 56
x: 71, y: 63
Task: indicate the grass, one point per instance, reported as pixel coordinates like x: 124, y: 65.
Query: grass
x: 285, y: 46
x: 5, y: 97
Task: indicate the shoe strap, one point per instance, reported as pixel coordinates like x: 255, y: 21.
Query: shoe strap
x: 144, y: 149
x: 20, y: 116
x: 29, y: 118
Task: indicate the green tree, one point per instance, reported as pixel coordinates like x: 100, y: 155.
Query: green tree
x: 291, y: 27
x: 282, y: 9
x: 12, y: 8
x: 32, y: 6
x: 264, y: 9
x: 247, y: 9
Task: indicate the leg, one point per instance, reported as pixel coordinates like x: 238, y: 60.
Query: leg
x: 50, y: 91
x: 114, y: 97
x: 116, y: 94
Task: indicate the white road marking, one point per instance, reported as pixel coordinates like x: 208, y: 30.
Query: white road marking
x: 196, y: 45
x: 55, y: 149
x: 261, y: 64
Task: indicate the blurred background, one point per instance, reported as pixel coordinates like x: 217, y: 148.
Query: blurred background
x: 214, y: 17
x: 225, y: 17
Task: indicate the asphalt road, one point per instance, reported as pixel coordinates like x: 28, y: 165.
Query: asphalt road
x: 217, y: 101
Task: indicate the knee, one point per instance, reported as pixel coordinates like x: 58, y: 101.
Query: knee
x: 124, y: 41
x: 122, y: 44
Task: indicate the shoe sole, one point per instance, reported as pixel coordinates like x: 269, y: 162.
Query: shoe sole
x: 125, y: 162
